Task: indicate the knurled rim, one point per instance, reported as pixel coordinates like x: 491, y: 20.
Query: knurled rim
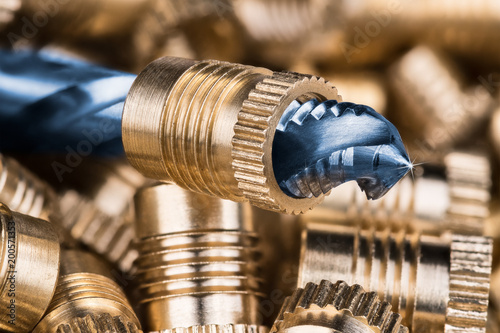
x: 351, y: 300
x: 254, y: 135
x: 228, y: 328
x: 102, y: 323
x: 470, y: 270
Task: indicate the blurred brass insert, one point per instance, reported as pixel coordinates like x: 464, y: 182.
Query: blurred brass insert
x: 440, y: 111
x: 24, y: 192
x: 29, y: 250
x: 196, y: 262
x: 99, y: 212
x: 435, y: 283
x: 208, y: 126
x: 86, y: 299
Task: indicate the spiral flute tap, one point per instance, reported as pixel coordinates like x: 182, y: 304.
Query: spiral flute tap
x: 231, y: 131
x: 337, y: 307
x: 87, y: 299
x: 37, y: 89
x: 208, y: 126
x: 454, y: 196
x: 197, y: 261
x: 27, y: 245
x: 436, y: 283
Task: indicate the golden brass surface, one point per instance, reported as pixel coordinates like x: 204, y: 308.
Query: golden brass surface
x: 197, y: 260
x: 457, y: 199
x: 29, y: 264
x: 208, y: 127
x: 336, y: 308
x: 87, y: 299
x: 436, y: 283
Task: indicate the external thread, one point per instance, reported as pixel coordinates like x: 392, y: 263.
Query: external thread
x: 433, y: 282
x: 197, y: 263
x: 85, y: 300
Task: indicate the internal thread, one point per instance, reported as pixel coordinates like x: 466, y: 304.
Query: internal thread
x: 470, y: 272
x: 22, y: 191
x: 197, y: 263
x: 109, y: 236
x: 194, y: 110
x: 102, y: 323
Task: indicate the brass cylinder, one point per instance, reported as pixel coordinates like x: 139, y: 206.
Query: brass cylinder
x: 436, y: 283
x: 197, y: 260
x: 439, y: 110
x: 209, y: 126
x: 29, y: 259
x: 454, y: 196
x: 87, y: 299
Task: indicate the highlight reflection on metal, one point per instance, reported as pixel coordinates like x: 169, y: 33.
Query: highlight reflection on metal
x: 336, y: 308
x: 435, y: 283
x: 28, y: 281
x: 319, y: 146
x: 64, y: 101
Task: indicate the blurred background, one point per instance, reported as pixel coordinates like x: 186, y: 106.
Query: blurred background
x: 431, y: 67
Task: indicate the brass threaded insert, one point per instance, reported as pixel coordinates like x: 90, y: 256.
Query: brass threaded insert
x: 195, y: 252
x: 87, y: 297
x: 209, y: 126
x: 228, y: 328
x: 339, y: 307
x: 436, y: 283
x: 27, y: 245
